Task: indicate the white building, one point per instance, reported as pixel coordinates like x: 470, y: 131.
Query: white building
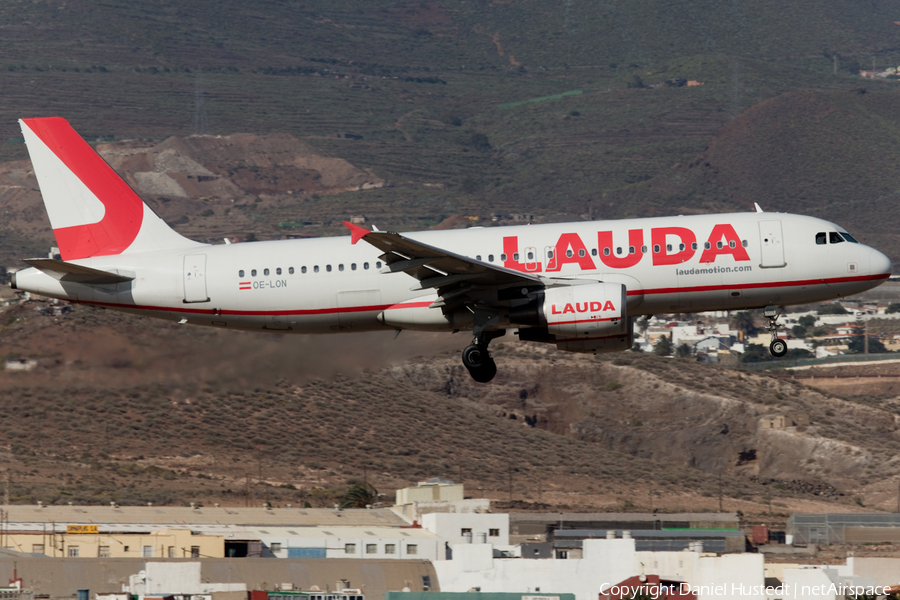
x: 436, y: 496
x: 171, y: 578
x: 835, y: 582
x: 338, y: 542
x: 605, y: 563
x: 469, y: 528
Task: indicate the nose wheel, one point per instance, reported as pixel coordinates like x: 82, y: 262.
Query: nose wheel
x: 778, y: 347
x: 477, y: 359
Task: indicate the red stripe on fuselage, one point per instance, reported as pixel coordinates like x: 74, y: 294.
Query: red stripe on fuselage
x: 374, y: 308
x: 261, y: 313
x: 755, y: 286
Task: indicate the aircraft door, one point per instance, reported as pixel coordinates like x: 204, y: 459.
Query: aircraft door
x: 771, y: 244
x: 550, y: 255
x: 195, y: 278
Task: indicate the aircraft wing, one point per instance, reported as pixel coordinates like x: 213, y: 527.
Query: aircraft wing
x: 436, y: 268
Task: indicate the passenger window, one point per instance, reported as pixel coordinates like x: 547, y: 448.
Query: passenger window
x: 706, y: 245
x: 253, y: 273
x: 477, y: 257
x: 278, y: 271
x: 366, y: 266
x: 303, y: 270
x: 569, y: 253
x: 581, y: 253
x: 503, y: 257
x: 241, y: 273
x: 593, y: 252
x: 378, y: 264
x: 656, y: 248
x: 316, y: 269
x: 549, y: 253
x: 340, y: 267
x: 834, y: 237
x: 731, y: 244
x: 490, y: 258
x: 265, y: 271
x: 515, y: 256
x: 352, y: 266
x: 530, y: 256
x: 328, y: 268
x: 643, y: 249
x: 820, y: 238
x: 619, y: 251
x: 745, y: 243
x: 630, y: 249
x: 681, y: 247
x: 694, y: 246
x: 668, y: 247
x: 719, y: 245
x: 291, y: 271
x: 606, y: 252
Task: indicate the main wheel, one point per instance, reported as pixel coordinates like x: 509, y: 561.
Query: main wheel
x: 475, y: 357
x: 485, y: 372
x: 778, y: 348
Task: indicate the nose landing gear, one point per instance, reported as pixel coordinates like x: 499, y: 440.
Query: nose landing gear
x: 477, y: 359
x: 778, y: 347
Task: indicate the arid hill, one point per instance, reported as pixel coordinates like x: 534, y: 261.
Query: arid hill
x: 206, y: 186
x: 300, y: 416
x: 829, y: 154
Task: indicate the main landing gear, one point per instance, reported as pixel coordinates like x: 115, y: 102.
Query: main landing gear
x: 778, y: 347
x: 477, y: 359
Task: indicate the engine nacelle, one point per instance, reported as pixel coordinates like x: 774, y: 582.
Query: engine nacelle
x: 588, y: 318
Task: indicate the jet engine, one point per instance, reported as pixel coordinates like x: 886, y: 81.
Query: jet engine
x: 579, y: 318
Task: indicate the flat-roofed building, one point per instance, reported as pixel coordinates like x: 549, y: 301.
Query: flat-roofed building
x: 156, y: 517
x: 436, y: 496
x: 88, y: 541
x: 63, y: 577
x: 539, y: 527
x: 391, y: 543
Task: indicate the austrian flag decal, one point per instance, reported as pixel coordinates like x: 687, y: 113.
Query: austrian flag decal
x: 244, y: 285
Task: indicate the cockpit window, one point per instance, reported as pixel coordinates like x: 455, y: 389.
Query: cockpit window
x: 834, y: 237
x: 820, y: 238
x: 848, y: 237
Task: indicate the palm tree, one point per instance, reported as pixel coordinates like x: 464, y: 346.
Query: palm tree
x: 359, y: 496
x: 744, y: 321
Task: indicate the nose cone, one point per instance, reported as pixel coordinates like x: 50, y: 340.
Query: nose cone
x: 879, y: 264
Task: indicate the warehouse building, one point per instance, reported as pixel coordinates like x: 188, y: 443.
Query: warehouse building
x: 568, y: 543
x: 539, y: 527
x: 86, y: 541
x: 63, y: 577
x: 368, y: 543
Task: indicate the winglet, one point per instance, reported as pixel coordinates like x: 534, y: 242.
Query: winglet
x: 356, y: 232
x: 758, y: 209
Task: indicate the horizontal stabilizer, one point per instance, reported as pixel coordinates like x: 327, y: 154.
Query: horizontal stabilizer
x: 66, y: 271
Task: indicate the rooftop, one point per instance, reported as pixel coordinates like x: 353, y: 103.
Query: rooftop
x: 630, y: 517
x: 185, y: 516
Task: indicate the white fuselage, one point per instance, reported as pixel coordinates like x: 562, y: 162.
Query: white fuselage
x: 329, y: 285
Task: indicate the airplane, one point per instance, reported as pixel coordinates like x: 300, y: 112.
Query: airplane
x: 576, y: 285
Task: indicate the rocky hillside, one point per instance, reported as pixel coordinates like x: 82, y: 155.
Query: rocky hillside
x: 208, y: 187
x: 180, y: 414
